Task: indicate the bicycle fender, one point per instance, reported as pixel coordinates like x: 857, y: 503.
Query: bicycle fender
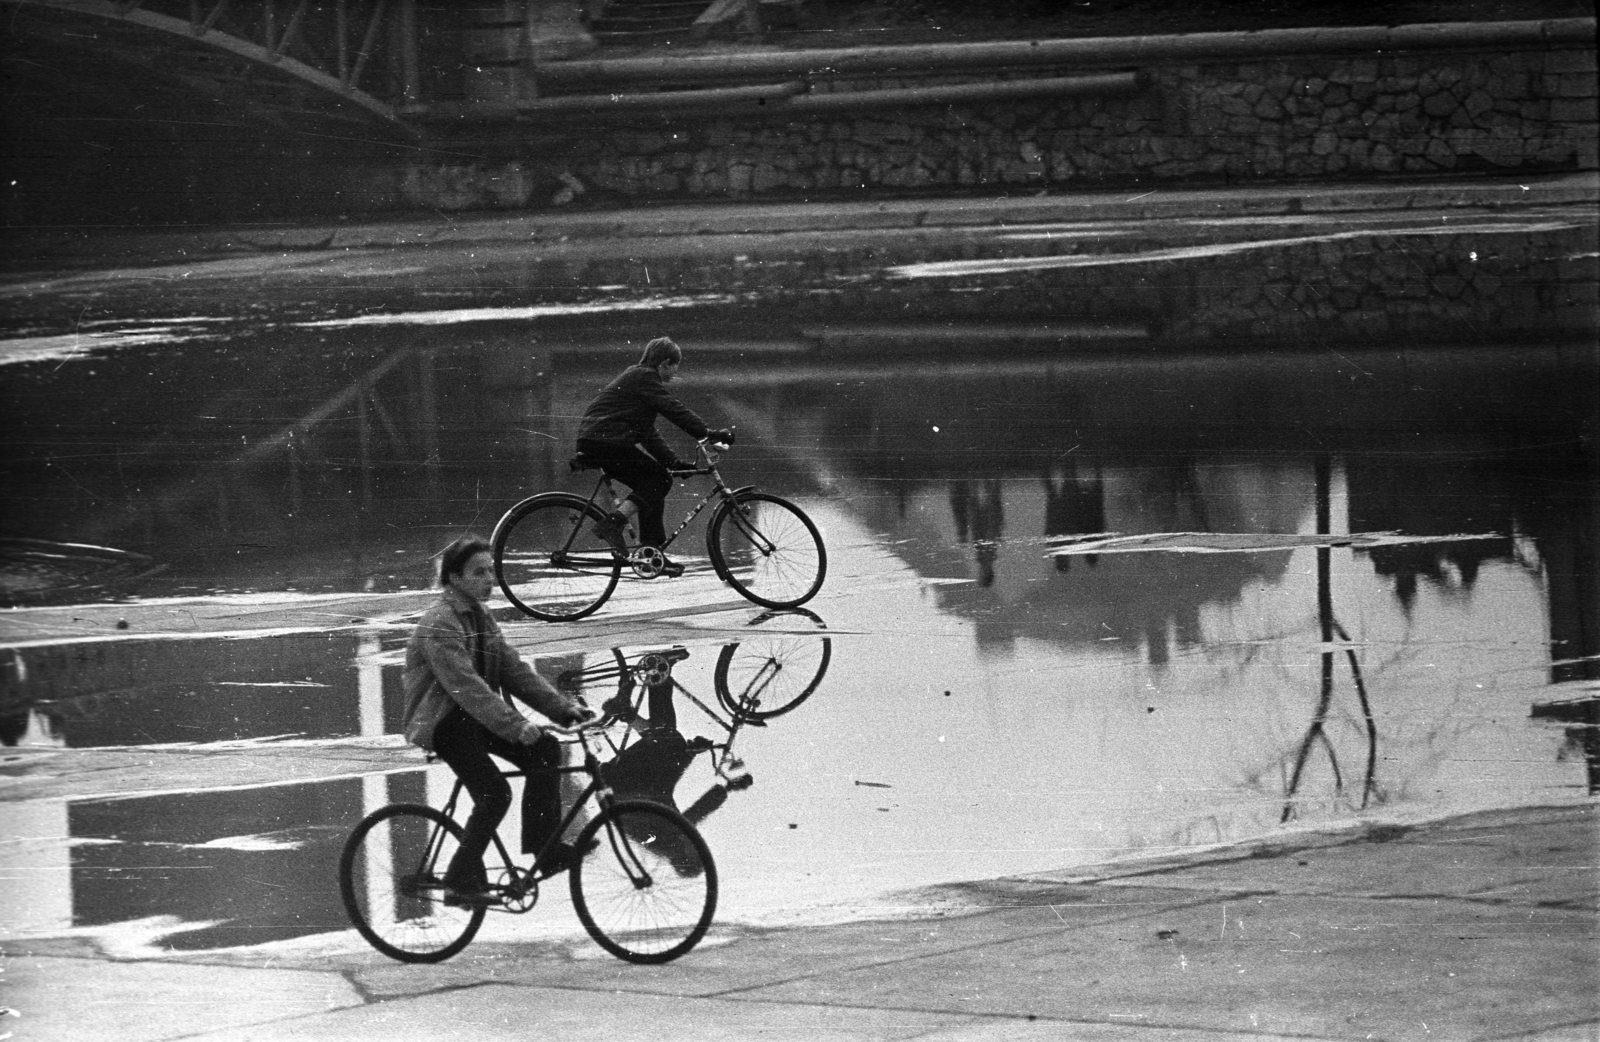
x: 543, y: 497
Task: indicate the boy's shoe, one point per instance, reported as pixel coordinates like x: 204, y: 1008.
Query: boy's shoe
x: 468, y: 896
x: 614, y: 529
x: 562, y: 857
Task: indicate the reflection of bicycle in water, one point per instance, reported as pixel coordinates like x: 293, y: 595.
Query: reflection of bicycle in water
x: 761, y: 677
x: 553, y: 564
x: 644, y: 884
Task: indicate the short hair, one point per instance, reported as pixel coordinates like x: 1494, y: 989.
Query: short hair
x: 659, y: 350
x: 453, y: 558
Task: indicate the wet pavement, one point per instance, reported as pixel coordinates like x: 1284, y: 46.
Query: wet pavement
x: 1480, y: 927
x: 1085, y: 603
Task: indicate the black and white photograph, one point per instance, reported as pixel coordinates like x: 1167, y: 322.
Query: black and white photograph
x: 799, y: 520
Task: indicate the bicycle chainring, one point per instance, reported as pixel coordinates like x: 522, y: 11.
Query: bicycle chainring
x: 647, y: 562
x: 521, y: 897
x: 653, y: 669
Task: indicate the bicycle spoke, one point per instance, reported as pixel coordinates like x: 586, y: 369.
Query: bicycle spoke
x: 769, y: 550
x: 767, y: 674
x: 550, y: 562
x: 648, y: 889
x: 389, y: 877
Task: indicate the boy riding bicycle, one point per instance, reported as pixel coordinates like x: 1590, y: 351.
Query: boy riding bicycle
x: 618, y: 433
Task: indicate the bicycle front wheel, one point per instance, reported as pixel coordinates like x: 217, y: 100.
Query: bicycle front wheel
x: 768, y: 550
x: 549, y: 561
x: 647, y: 889
x: 391, y: 878
x: 767, y: 674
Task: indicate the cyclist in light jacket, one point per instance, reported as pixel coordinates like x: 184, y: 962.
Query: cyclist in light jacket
x: 460, y: 675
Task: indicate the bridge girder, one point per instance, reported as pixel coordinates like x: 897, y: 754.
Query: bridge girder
x: 310, y: 68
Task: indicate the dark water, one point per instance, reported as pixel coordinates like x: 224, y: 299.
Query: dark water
x: 1000, y: 692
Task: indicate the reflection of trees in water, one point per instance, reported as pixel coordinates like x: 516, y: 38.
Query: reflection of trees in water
x: 1316, y: 734
x: 980, y: 516
x: 1157, y: 600
x: 1505, y: 495
x: 1074, y: 504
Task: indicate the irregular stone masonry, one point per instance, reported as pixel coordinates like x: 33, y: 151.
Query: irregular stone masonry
x: 1299, y: 116
x: 1284, y: 285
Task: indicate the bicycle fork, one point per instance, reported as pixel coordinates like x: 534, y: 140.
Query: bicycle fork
x: 616, y: 834
x: 741, y: 518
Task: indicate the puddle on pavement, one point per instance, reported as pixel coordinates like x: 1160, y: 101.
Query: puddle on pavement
x: 1076, y: 610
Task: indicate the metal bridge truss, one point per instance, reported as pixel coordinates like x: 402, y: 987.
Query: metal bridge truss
x: 291, y: 60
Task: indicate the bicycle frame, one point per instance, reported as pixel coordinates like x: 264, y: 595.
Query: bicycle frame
x: 521, y: 880
x: 637, y: 675
x: 719, y: 492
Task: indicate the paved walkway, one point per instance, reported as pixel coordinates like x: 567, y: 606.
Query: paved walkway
x: 35, y: 249
x: 1481, y: 927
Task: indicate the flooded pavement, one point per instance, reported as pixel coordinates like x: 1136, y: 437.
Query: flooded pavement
x: 1081, y: 604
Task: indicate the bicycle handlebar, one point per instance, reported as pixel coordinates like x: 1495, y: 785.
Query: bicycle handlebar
x: 716, y: 443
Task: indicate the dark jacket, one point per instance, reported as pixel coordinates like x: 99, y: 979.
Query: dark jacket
x: 441, y: 674
x: 625, y: 412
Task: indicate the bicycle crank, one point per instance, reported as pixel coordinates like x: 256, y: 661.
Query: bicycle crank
x: 647, y: 562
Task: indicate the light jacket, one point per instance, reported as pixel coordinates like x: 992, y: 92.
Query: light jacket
x: 440, y: 674
x: 625, y: 411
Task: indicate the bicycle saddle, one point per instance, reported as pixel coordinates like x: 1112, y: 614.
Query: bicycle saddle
x: 582, y: 462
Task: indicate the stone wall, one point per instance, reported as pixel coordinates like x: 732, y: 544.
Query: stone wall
x: 1483, y: 284
x: 1204, y: 122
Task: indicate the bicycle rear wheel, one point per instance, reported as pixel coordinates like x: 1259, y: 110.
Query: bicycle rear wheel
x: 768, y: 550
x: 767, y: 674
x: 549, y: 561
x: 390, y: 876
x: 647, y: 890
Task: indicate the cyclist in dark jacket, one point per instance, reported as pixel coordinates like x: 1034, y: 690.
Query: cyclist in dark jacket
x: 618, y: 431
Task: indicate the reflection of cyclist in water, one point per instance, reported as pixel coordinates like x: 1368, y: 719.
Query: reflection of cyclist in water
x: 653, y: 765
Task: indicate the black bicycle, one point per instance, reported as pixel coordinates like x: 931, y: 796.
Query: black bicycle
x: 553, y: 565
x: 644, y: 886
x: 762, y: 675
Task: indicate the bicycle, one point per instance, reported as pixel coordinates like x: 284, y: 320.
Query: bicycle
x: 644, y: 885
x: 779, y: 670
x: 756, y: 678
x: 552, y: 565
